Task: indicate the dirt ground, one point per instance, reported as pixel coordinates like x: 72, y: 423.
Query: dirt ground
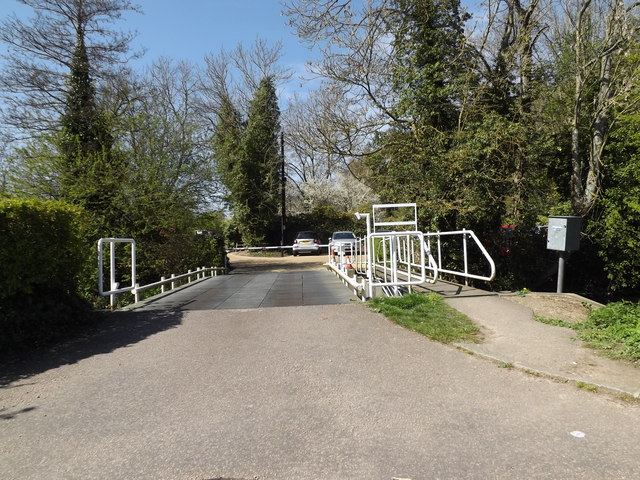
x: 245, y: 262
x: 560, y: 306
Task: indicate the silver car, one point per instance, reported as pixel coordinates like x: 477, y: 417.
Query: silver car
x: 306, y: 242
x: 342, y: 242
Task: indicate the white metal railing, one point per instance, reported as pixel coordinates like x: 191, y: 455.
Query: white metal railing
x: 464, y: 271
x: 341, y: 257
x: 199, y: 273
x: 114, y: 287
x: 135, y: 288
x: 397, y: 259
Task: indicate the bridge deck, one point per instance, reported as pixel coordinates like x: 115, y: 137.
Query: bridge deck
x: 257, y: 290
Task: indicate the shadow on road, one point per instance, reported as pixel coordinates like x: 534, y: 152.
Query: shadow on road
x: 114, y: 330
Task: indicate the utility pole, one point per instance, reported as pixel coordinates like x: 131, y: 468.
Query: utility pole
x: 283, y: 212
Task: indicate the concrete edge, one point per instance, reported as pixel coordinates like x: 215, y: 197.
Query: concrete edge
x: 574, y: 296
x: 600, y: 388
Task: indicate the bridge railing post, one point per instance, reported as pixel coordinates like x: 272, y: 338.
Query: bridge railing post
x: 173, y: 283
x: 163, y: 288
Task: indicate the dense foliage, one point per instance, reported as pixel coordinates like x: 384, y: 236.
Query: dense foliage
x: 248, y: 156
x: 44, y: 260
x: 615, y: 329
x: 530, y: 115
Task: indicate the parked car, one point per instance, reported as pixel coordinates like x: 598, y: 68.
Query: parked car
x: 306, y: 242
x: 342, y: 241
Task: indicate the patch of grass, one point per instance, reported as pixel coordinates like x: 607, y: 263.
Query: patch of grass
x: 587, y: 386
x: 555, y: 322
x: 505, y: 365
x: 613, y: 329
x: 428, y: 315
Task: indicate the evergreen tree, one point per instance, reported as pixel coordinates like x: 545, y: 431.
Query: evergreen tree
x: 88, y: 169
x: 261, y: 152
x: 227, y: 145
x: 428, y: 44
x: 248, y: 159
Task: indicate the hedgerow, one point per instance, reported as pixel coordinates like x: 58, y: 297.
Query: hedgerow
x: 42, y: 256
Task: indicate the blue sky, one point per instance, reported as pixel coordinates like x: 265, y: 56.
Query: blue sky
x: 191, y: 29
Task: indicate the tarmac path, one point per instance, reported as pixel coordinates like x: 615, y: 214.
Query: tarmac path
x: 305, y: 392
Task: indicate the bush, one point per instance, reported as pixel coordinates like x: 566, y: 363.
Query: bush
x: 41, y: 243
x: 615, y: 329
x: 42, y: 256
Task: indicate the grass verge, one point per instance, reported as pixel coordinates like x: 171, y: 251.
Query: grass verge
x: 428, y: 315
x: 613, y: 329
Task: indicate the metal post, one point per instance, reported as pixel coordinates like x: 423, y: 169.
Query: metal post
x: 112, y: 274
x: 283, y: 180
x: 561, y: 261
x: 162, y: 287
x: 439, y: 251
x: 173, y: 283
x: 464, y: 248
x: 393, y: 251
x: 136, y: 293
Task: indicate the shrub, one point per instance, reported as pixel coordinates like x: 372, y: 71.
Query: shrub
x: 615, y: 328
x: 42, y: 256
x: 41, y: 243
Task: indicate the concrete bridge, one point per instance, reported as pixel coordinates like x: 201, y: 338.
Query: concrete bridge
x: 259, y: 282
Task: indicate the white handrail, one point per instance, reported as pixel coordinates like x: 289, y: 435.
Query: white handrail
x: 135, y: 287
x: 394, y: 262
x: 464, y: 273
x: 164, y: 281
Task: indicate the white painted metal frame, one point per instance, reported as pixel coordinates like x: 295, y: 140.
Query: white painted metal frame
x: 113, y: 285
x: 390, y: 260
x: 464, y: 273
x: 394, y: 261
x: 377, y: 223
x: 136, y: 288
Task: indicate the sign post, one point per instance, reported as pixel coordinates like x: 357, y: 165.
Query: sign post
x: 563, y: 235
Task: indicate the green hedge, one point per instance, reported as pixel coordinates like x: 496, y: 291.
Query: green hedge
x: 41, y: 244
x: 43, y: 253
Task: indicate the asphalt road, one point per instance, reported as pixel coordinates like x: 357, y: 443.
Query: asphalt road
x: 311, y: 392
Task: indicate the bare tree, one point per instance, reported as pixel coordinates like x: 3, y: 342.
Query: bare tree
x: 235, y: 76
x: 603, y: 33
x: 506, y: 49
x: 166, y: 137
x: 40, y: 51
x: 356, y: 66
